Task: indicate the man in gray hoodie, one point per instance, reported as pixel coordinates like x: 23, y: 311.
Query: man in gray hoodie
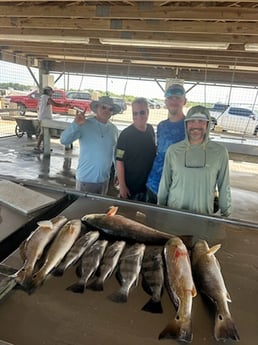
x: 194, y: 168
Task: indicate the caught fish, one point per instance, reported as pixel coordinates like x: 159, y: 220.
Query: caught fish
x: 58, y: 249
x: 125, y: 228
x: 129, y: 270
x: 77, y: 250
x: 32, y: 248
x: 7, y: 283
x: 208, y: 274
x: 153, y: 279
x: 89, y: 264
x: 108, y: 264
x: 181, y: 290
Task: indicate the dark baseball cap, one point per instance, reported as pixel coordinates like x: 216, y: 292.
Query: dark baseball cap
x: 175, y: 90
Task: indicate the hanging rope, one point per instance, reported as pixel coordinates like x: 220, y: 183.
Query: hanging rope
x: 107, y: 74
x: 83, y: 72
x: 205, y: 82
x: 232, y: 81
x: 126, y: 82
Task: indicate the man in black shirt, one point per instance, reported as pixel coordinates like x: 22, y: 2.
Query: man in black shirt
x: 135, y: 153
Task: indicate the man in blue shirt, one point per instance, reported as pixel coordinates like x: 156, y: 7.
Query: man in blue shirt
x: 97, y: 137
x: 169, y: 131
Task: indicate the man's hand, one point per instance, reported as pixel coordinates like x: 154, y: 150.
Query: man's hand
x: 80, y: 117
x: 124, y: 192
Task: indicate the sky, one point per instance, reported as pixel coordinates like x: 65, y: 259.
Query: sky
x: 10, y: 72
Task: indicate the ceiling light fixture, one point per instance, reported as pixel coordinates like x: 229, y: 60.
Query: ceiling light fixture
x: 251, y: 47
x: 84, y: 59
x: 165, y: 44
x: 43, y: 38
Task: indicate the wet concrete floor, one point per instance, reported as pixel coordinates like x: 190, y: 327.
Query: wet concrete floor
x: 18, y: 160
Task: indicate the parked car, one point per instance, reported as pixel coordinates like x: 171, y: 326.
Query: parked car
x: 154, y: 104
x: 122, y: 103
x: 238, y: 119
x: 30, y: 101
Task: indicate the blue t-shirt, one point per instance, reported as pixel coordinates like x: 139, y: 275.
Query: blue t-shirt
x: 168, y: 133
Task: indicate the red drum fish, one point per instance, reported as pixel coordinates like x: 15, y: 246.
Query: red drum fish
x: 207, y: 272
x: 124, y: 228
x: 181, y: 290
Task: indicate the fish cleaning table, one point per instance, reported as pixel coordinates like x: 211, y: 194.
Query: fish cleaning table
x: 53, y: 315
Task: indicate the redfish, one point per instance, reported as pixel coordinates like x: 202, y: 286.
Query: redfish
x: 181, y: 290
x: 208, y: 274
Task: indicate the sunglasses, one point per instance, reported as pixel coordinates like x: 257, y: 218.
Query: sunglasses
x: 142, y: 112
x: 105, y: 107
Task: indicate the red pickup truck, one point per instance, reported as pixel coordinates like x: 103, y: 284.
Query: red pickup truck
x: 79, y: 99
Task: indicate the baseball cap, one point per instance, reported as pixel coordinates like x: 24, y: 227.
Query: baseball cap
x: 198, y: 112
x: 175, y: 90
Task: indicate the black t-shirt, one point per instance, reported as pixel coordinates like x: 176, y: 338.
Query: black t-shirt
x: 137, y: 150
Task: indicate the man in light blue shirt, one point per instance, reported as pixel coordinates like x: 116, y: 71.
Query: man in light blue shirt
x: 97, y: 137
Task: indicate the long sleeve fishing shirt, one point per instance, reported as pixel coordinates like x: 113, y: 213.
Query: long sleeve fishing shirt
x: 97, y: 148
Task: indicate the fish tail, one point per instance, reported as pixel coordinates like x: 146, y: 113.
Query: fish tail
x: 119, y: 297
x: 78, y: 287
x: 225, y: 328
x: 96, y: 285
x: 177, y: 329
x: 153, y: 307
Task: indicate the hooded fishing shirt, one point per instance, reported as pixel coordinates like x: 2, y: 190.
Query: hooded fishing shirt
x: 191, y: 174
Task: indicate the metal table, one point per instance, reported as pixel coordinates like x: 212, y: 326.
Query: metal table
x: 53, y: 315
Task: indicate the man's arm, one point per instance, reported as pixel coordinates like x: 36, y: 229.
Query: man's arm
x: 123, y: 190
x: 224, y: 189
x: 165, y: 182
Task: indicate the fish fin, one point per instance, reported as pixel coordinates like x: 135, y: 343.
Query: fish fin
x: 58, y: 271
x: 153, y: 307
x: 112, y: 211
x: 79, y: 270
x: 179, y: 330
x: 77, y: 287
x: 45, y: 224
x: 96, y: 285
x: 228, y: 297
x: 213, y: 249
x: 194, y: 291
x: 119, y: 297
x: 225, y: 328
x: 22, y: 250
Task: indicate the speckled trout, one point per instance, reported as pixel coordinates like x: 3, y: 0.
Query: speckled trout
x: 58, y: 249
x: 181, y: 290
x: 32, y: 248
x: 77, y: 250
x: 207, y: 272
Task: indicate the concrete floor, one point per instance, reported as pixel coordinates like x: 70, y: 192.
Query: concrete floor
x: 18, y: 160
